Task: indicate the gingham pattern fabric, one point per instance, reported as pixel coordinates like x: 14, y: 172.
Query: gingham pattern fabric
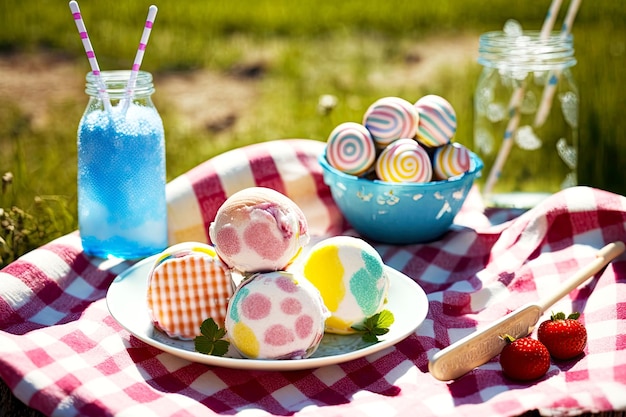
x: 184, y: 291
x: 62, y: 353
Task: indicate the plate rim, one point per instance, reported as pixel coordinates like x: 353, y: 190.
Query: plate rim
x: 266, y: 364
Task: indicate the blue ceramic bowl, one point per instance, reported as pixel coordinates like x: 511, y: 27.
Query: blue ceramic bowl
x: 399, y: 213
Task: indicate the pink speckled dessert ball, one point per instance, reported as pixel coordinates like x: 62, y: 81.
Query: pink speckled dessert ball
x: 259, y: 229
x: 276, y: 315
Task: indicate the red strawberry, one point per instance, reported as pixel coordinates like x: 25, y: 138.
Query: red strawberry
x: 564, y: 337
x: 524, y: 359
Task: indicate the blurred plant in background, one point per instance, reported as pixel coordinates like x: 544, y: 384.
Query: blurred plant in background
x: 22, y: 230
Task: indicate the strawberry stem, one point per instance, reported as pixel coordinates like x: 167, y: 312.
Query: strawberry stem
x: 508, y: 338
x: 561, y: 316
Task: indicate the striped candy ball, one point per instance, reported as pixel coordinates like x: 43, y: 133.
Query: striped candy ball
x: 350, y: 148
x: 404, y: 161
x: 437, y: 121
x: 451, y: 160
x: 389, y: 119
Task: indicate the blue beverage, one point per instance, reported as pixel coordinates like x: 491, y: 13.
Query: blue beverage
x: 122, y: 209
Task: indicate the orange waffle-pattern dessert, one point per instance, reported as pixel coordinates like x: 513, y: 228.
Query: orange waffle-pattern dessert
x: 188, y: 284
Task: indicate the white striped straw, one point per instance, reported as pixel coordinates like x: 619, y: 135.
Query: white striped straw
x: 553, y: 77
x: 513, y: 111
x: 568, y: 23
x: 551, y: 16
x: 91, y: 55
x: 145, y: 36
x: 507, y: 140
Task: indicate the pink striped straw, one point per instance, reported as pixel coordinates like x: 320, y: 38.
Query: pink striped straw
x: 91, y: 55
x: 145, y: 36
x: 513, y: 110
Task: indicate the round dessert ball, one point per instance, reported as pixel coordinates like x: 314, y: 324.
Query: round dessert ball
x: 451, y: 160
x: 350, y: 148
x: 276, y: 315
x: 350, y: 276
x: 188, y: 284
x: 437, y: 121
x: 404, y: 160
x: 389, y: 119
x: 259, y: 229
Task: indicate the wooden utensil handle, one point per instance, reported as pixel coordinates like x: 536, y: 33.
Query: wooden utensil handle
x: 479, y: 347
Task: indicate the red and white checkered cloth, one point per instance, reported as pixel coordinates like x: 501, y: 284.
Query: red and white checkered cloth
x: 62, y: 353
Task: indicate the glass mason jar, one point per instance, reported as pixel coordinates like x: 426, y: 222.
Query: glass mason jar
x: 525, y: 117
x: 121, y: 169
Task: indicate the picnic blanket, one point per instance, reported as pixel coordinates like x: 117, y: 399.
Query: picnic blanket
x: 62, y: 353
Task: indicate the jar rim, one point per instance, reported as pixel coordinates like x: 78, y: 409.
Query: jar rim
x: 530, y: 49
x: 115, y: 82
x: 555, y: 37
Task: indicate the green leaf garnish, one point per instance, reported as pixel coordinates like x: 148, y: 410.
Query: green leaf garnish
x: 211, y: 341
x: 374, y: 326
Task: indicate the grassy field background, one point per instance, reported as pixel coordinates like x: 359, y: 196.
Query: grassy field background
x: 292, y: 53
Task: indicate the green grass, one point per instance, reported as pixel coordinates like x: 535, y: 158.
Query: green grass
x: 308, y: 49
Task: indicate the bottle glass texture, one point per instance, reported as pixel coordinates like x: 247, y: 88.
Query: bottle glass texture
x: 122, y: 209
x: 526, y: 117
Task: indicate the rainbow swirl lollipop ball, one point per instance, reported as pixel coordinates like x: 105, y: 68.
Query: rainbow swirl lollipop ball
x: 451, y: 160
x: 437, y: 120
x: 389, y: 119
x: 404, y: 161
x: 350, y: 148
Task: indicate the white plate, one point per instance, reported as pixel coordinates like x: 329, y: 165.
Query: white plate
x: 126, y: 300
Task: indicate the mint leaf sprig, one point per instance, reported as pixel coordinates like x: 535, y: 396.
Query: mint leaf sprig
x: 211, y: 341
x: 374, y: 326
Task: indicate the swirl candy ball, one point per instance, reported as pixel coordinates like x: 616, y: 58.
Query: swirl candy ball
x: 451, y: 160
x: 389, y: 119
x: 350, y: 148
x: 404, y: 161
x: 437, y: 121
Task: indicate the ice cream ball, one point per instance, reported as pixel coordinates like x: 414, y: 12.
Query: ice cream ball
x: 259, y: 229
x: 349, y: 274
x: 186, y: 285
x: 276, y: 315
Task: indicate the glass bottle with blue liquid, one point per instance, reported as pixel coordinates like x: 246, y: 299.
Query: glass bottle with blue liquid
x: 122, y: 210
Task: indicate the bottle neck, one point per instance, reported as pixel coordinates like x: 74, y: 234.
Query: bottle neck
x: 528, y: 51
x: 116, y: 82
